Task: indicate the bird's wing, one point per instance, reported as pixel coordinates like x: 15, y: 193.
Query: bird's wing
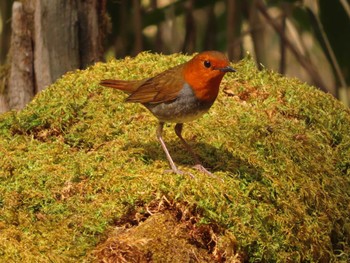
x: 163, y: 87
x: 124, y: 85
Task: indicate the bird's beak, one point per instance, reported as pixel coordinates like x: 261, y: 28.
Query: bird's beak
x: 227, y: 69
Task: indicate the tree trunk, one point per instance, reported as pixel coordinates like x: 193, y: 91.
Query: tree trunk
x: 21, y: 85
x: 5, y: 33
x: 5, y: 13
x: 49, y: 38
x: 234, y: 24
x: 56, y: 40
x: 257, y: 26
x: 189, y: 44
x: 137, y: 16
x: 92, y: 30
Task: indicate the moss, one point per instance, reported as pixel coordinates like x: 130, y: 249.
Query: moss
x: 77, y: 160
x: 166, y: 232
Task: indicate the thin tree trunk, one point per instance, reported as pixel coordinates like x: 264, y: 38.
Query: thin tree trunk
x: 258, y: 34
x: 138, y: 27
x: 5, y: 35
x: 5, y: 38
x: 21, y: 85
x: 209, y: 40
x: 304, y: 62
x: 282, y: 68
x: 158, y: 41
x: 91, y: 33
x: 190, y: 37
x: 234, y: 21
x: 120, y: 45
x: 56, y: 47
x: 3, y: 79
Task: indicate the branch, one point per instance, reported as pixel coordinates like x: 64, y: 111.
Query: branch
x: 305, y: 63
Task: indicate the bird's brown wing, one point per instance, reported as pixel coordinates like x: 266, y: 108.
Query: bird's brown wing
x: 161, y: 88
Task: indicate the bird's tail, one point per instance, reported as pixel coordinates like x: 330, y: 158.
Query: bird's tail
x: 126, y: 86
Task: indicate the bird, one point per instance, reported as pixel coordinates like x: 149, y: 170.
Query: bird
x: 178, y: 95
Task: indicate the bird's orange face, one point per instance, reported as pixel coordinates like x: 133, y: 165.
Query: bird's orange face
x: 204, y: 73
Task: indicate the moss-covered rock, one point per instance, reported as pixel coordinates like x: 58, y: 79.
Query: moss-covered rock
x: 77, y: 160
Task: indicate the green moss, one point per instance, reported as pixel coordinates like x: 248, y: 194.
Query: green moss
x: 77, y: 159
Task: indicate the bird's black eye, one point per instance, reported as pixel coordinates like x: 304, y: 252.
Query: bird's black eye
x: 207, y: 64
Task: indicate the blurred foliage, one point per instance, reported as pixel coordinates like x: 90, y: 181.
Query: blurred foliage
x: 299, y: 38
x: 336, y: 24
x: 237, y: 27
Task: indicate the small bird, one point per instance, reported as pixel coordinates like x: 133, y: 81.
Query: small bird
x: 178, y: 95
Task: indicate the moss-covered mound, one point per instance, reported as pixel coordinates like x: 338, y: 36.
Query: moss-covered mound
x: 82, y: 174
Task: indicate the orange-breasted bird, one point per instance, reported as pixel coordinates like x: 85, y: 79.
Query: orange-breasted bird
x: 178, y: 95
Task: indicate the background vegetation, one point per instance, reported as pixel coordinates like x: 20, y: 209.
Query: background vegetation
x: 305, y: 39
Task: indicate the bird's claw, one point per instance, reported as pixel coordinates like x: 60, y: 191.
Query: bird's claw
x: 198, y: 167
x: 202, y: 169
x: 177, y: 171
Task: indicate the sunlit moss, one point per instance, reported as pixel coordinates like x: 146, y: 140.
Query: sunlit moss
x: 77, y: 159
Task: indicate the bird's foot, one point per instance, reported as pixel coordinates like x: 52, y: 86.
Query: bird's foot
x: 202, y: 169
x: 177, y: 171
x: 198, y: 167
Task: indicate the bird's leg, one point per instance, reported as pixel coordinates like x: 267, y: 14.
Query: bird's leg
x: 178, y: 131
x: 198, y: 165
x: 159, y: 136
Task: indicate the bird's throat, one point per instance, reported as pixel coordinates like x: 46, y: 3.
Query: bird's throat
x: 207, y: 89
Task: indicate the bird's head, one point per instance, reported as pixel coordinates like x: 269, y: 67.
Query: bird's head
x: 204, y: 73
